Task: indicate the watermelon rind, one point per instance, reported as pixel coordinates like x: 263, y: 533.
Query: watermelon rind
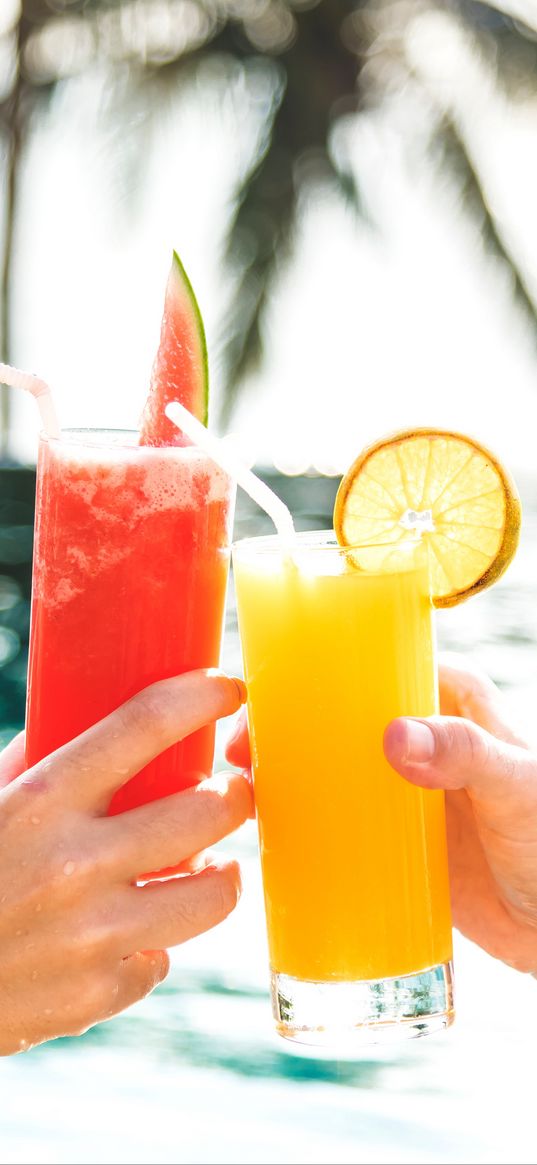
x: 201, y: 410
x: 180, y: 369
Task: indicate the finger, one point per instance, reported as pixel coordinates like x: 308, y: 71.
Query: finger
x: 238, y: 745
x: 164, y: 914
x: 190, y: 866
x: 130, y: 980
x: 88, y: 770
x: 194, y: 864
x: 137, y: 976
x: 466, y: 691
x: 12, y: 759
x: 167, y: 832
x: 99, y: 995
x: 451, y: 753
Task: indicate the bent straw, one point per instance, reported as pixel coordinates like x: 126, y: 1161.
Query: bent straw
x: 218, y: 451
x: 16, y: 378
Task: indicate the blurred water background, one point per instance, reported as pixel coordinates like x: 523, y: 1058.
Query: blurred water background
x: 352, y: 187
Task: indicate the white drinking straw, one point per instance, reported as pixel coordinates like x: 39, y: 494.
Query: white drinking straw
x: 38, y: 388
x: 218, y: 451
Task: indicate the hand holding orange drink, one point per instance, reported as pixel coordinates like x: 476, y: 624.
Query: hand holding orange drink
x: 338, y: 639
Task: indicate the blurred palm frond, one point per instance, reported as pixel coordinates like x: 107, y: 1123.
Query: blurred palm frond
x: 326, y: 59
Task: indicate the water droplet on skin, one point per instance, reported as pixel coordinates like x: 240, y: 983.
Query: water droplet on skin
x: 35, y: 820
x: 48, y: 1011
x: 34, y: 975
x: 69, y: 868
x: 18, y: 932
x: 38, y: 908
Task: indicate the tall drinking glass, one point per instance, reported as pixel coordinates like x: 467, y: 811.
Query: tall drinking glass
x: 335, y: 643
x: 130, y: 572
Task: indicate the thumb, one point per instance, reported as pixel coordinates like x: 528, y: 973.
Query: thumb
x: 448, y: 752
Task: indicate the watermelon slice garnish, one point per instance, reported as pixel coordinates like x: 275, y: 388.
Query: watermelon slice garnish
x: 180, y: 369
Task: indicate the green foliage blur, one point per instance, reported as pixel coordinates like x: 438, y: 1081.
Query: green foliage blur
x: 320, y: 62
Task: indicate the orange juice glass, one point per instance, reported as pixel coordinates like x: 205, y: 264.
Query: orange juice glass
x: 336, y: 643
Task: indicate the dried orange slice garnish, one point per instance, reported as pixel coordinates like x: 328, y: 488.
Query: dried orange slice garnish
x: 447, y: 487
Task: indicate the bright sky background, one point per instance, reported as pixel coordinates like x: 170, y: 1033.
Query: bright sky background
x: 370, y: 330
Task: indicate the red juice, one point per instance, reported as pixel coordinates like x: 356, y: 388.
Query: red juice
x: 130, y: 572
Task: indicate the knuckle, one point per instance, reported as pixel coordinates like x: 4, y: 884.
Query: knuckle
x: 229, y: 800
x: 151, y: 706
x: 216, y: 805
x: 223, y: 807
x: 90, y: 941
x: 224, y: 892
x: 214, y: 894
x: 30, y: 794
x: 463, y: 741
x: 186, y: 912
x: 466, y: 743
x: 93, y: 939
x: 72, y: 868
x: 472, y: 742
x: 142, y: 710
x: 159, y: 963
x: 138, y: 975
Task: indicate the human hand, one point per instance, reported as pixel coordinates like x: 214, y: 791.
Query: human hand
x: 238, y: 745
x: 80, y: 940
x: 490, y: 777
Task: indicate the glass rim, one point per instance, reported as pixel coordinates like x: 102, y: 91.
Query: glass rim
x: 107, y: 437
x: 69, y: 434
x: 320, y: 540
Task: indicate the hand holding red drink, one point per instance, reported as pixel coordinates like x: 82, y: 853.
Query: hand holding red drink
x: 131, y: 558
x: 130, y: 570
x: 81, y: 940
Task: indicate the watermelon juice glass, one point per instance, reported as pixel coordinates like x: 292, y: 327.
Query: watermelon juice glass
x: 130, y: 573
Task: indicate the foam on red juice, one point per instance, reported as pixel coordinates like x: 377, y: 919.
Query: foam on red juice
x: 129, y: 581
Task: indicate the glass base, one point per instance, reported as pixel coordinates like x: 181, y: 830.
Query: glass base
x: 369, y: 1011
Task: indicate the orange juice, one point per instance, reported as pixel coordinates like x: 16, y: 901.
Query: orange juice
x: 353, y: 857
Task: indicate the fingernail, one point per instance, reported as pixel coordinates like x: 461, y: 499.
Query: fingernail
x: 420, y: 742
x: 241, y: 687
